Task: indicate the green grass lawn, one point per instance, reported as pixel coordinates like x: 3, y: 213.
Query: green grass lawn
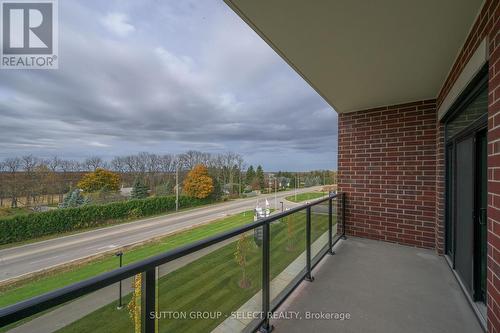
x: 306, y: 196
x: 211, y: 283
x: 57, y: 279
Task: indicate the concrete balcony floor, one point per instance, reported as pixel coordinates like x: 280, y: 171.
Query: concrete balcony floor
x: 385, y: 288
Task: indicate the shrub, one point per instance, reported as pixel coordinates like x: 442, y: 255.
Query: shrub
x: 34, y: 225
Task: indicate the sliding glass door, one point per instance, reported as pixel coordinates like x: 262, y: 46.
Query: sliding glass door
x: 466, y: 191
x: 481, y: 225
x: 464, y: 210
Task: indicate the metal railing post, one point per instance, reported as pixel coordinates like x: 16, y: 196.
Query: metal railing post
x: 343, y: 216
x: 266, y: 279
x: 330, y: 226
x: 148, y: 301
x: 309, y: 276
x: 120, y: 303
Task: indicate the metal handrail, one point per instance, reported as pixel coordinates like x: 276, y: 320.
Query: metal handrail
x: 49, y: 300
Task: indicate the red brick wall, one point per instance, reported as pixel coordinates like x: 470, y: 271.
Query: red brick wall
x: 387, y: 166
x: 487, y: 26
x: 493, y: 287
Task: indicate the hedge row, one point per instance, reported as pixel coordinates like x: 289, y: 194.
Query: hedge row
x: 34, y: 225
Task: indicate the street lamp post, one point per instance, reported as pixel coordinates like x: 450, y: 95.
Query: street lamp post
x: 177, y: 188
x: 120, y: 305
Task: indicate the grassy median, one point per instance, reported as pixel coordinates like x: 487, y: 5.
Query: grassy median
x: 306, y: 196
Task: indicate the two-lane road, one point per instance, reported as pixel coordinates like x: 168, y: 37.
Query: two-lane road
x: 26, y: 259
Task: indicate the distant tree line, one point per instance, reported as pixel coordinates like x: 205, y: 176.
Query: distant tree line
x: 37, y: 180
x: 257, y: 179
x: 45, y: 180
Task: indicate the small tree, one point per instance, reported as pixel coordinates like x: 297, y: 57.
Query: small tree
x: 139, y: 190
x: 198, y: 184
x: 134, y: 306
x: 74, y: 199
x: 243, y: 246
x: 99, y: 180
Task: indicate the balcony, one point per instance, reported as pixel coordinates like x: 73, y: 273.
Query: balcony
x: 252, y: 277
x: 385, y: 288
x: 200, y: 287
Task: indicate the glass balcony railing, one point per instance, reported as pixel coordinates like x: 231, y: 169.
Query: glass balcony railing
x: 231, y: 282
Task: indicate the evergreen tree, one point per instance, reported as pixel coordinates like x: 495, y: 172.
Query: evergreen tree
x: 74, y: 199
x: 259, y: 174
x: 250, y: 175
x: 139, y: 190
x: 217, y: 191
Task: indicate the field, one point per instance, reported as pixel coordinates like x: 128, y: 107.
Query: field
x: 306, y: 196
x: 7, y: 211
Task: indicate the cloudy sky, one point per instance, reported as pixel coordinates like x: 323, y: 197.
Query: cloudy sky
x: 164, y: 77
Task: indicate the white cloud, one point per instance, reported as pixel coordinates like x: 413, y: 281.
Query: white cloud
x: 117, y: 23
x: 98, y: 144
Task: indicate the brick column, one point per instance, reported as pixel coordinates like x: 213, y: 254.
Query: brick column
x: 387, y: 167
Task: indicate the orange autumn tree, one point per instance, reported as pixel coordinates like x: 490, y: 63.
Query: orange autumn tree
x: 98, y: 180
x: 198, y: 184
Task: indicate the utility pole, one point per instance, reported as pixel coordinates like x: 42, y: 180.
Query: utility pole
x: 239, y: 190
x: 296, y: 175
x: 275, y: 193
x: 177, y: 188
